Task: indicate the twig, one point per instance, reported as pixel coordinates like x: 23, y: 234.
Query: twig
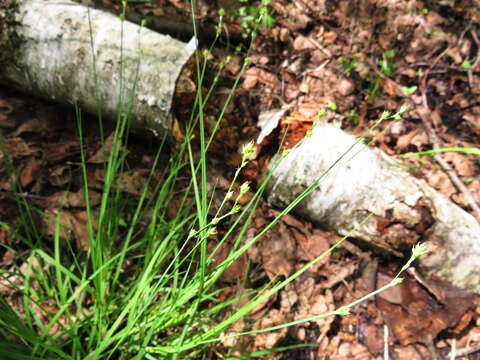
x: 422, y: 112
x: 414, y: 273
x: 465, y: 352
x: 320, y: 47
x: 431, y: 347
x: 437, y: 144
x: 477, y: 60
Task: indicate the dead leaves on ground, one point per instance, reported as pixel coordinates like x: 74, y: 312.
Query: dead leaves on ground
x: 320, y: 53
x: 282, y: 251
x: 41, y: 156
x: 415, y: 315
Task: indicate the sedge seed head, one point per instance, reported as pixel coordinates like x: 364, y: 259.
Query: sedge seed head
x: 235, y: 209
x: 244, y: 188
x: 247, y: 150
x: 343, y: 311
x: 229, y: 195
x: 211, y: 231
x: 419, y: 250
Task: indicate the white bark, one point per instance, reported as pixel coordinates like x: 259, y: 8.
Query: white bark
x: 406, y: 210
x: 54, y: 60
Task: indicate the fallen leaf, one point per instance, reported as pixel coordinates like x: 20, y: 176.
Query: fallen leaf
x: 312, y: 246
x: 60, y: 150
x: 17, y: 147
x: 131, y: 182
x: 60, y: 175
x: 254, y: 76
x: 268, y: 121
x: 420, y: 316
x: 6, y: 109
x: 44, y: 122
x: 233, y: 273
x: 66, y: 199
x: 103, y: 153
x: 30, y: 171
x: 72, y: 225
x: 373, y: 336
x: 441, y: 182
x: 278, y: 252
x: 303, y: 43
x: 464, y: 166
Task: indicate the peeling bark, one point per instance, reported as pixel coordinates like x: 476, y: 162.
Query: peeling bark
x: 51, y: 46
x: 366, y: 181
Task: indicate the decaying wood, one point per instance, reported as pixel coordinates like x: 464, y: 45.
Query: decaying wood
x: 366, y: 181
x: 66, y: 52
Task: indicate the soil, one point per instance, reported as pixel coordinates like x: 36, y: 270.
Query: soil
x: 350, y: 60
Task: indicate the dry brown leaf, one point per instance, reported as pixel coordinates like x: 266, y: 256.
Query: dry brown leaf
x: 373, y: 336
x: 308, y: 110
x: 35, y: 125
x: 6, y: 120
x: 392, y: 295
x: 312, y: 246
x: 58, y: 151
x: 352, y: 351
x: 95, y: 176
x: 278, y: 252
x: 254, y: 76
x: 303, y: 43
x: 235, y: 65
x: 72, y: 225
x: 290, y: 220
x: 464, y: 166
x: 17, y: 147
x: 404, y: 141
x: 177, y: 132
x: 412, y: 352
x: 336, y: 273
x: 250, y: 78
x: 60, y: 175
x: 329, y: 37
x: 131, y: 182
x: 420, y: 315
x: 440, y: 181
x: 235, y: 272
x: 30, y: 171
x: 103, y: 153
x: 66, y: 199
x: 420, y: 140
x: 268, y: 340
x: 390, y: 88
x: 345, y: 87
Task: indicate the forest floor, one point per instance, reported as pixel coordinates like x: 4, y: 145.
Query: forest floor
x: 353, y: 60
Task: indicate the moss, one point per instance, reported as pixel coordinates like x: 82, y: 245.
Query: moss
x: 8, y: 37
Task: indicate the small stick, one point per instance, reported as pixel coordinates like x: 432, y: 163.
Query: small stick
x: 464, y: 352
x: 477, y: 60
x: 437, y: 143
x: 433, y: 136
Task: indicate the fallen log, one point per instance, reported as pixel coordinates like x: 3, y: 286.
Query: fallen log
x: 404, y: 209
x: 69, y: 53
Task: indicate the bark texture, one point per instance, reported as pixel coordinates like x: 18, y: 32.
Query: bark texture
x: 366, y: 181
x: 69, y: 53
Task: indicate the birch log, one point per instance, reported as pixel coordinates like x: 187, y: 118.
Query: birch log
x: 66, y: 52
x: 366, y: 181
